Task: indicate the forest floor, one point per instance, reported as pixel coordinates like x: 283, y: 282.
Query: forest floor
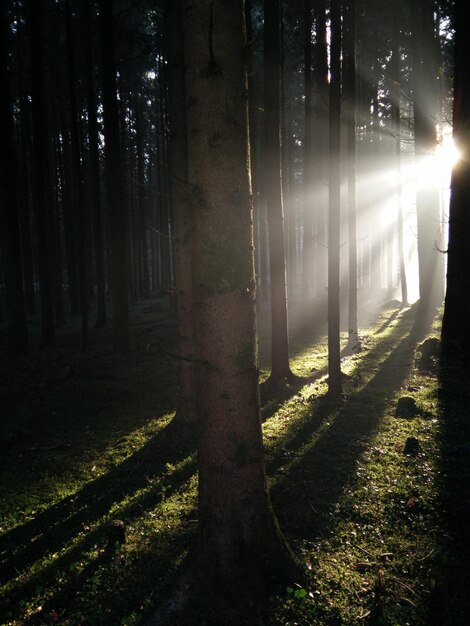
x: 373, y: 496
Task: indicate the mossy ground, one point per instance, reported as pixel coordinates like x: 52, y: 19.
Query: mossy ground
x: 85, y: 441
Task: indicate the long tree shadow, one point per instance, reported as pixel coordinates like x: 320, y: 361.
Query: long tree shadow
x: 52, y: 529
x: 59, y: 530
x: 322, y: 409
x: 313, y: 482
x: 308, y: 489
x: 275, y: 395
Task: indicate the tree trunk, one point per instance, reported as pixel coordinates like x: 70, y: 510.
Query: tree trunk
x: 334, y: 360
x: 277, y: 257
x: 239, y: 546
x: 41, y: 173
x: 396, y: 130
x: 24, y: 166
x: 349, y: 82
x: 455, y: 324
x: 77, y: 181
x: 116, y: 188
x: 427, y: 194
x: 94, y: 169
x: 307, y: 249
x: 181, y: 208
x: 17, y: 330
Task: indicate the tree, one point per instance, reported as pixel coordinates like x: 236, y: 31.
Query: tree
x: 77, y: 180
x: 455, y: 323
x: 94, y: 166
x: 239, y: 546
x: 427, y: 195
x: 17, y: 339
x: 44, y: 241
x: 181, y: 209
x: 307, y: 265
x: 334, y: 356
x: 115, y: 183
x: 349, y: 82
x: 396, y: 129
x: 277, y: 255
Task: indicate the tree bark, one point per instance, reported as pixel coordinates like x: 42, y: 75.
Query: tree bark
x: 41, y: 180
x: 77, y: 181
x: 427, y: 194
x: 277, y: 256
x: 455, y: 323
x: 17, y: 330
x: 94, y: 169
x: 334, y: 357
x: 181, y: 209
x: 349, y: 82
x: 116, y: 189
x: 308, y: 173
x: 239, y: 546
x: 396, y: 129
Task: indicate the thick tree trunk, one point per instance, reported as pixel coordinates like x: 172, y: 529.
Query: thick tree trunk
x: 334, y: 358
x: 116, y: 190
x: 17, y: 331
x: 239, y: 546
x: 455, y: 324
x: 277, y: 257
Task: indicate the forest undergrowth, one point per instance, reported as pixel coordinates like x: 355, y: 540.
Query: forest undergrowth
x: 371, y: 491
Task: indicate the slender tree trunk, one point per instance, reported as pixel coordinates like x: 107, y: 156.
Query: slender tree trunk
x: 41, y: 173
x: 321, y: 132
x: 94, y: 168
x: 277, y: 257
x: 77, y: 181
x: 182, y: 214
x: 396, y: 129
x: 24, y: 166
x: 307, y: 248
x: 116, y: 190
x: 349, y: 82
x: 334, y: 360
x: 17, y: 330
x: 69, y: 219
x: 427, y: 195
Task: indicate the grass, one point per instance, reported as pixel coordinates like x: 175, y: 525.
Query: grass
x: 85, y: 442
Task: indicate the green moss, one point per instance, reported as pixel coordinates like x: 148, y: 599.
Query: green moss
x: 362, y: 517
x: 246, y: 357
x: 241, y: 450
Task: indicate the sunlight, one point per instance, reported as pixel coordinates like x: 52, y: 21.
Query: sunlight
x: 436, y: 168
x: 447, y: 151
